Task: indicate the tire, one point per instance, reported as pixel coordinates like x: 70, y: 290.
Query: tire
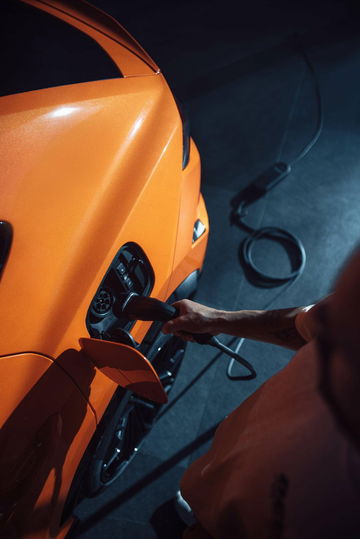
x: 129, y: 418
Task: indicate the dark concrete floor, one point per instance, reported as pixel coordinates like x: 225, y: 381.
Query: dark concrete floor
x: 251, y: 101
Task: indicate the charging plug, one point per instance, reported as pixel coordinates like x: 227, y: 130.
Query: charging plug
x: 271, y: 177
x: 259, y: 187
x: 138, y: 307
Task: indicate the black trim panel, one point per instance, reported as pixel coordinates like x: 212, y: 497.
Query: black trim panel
x: 130, y: 271
x: 6, y: 235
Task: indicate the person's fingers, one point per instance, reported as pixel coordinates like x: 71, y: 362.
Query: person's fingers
x: 167, y: 328
x: 186, y: 336
x: 172, y: 326
x: 175, y: 324
x: 185, y: 306
x: 193, y: 318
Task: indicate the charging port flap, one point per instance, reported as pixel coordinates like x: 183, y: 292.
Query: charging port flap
x: 126, y: 366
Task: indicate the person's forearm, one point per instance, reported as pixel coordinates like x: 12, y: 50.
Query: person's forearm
x: 276, y: 327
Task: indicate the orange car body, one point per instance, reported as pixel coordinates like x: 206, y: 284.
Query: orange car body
x: 86, y: 168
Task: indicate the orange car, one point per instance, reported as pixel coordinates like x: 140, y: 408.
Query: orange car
x: 100, y: 199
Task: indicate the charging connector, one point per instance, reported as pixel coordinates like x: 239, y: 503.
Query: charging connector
x: 271, y: 177
x: 137, y: 307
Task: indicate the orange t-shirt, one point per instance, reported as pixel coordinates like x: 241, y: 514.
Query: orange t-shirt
x: 278, y: 467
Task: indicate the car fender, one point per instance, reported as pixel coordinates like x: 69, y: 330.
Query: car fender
x: 46, y: 423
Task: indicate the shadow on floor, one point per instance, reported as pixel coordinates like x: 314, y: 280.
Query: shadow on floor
x: 166, y: 522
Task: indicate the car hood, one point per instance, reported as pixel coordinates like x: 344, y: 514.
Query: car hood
x: 81, y: 175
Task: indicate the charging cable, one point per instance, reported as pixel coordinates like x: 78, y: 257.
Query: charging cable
x: 213, y: 341
x: 261, y: 186
x: 229, y: 373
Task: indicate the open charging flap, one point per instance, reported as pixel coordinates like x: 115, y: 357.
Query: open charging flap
x: 126, y: 366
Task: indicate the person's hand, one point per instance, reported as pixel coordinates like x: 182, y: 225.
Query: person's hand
x: 193, y: 318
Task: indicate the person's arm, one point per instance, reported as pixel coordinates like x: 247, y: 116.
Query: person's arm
x: 276, y: 327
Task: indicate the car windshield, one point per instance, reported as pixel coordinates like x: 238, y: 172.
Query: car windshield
x: 39, y: 50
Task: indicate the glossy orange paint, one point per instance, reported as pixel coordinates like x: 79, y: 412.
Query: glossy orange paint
x: 64, y: 196
x: 85, y: 168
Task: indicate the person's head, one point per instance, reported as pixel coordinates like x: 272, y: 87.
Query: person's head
x: 339, y: 349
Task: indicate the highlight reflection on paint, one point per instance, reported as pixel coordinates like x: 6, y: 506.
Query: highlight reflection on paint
x: 136, y: 126
x: 63, y: 111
